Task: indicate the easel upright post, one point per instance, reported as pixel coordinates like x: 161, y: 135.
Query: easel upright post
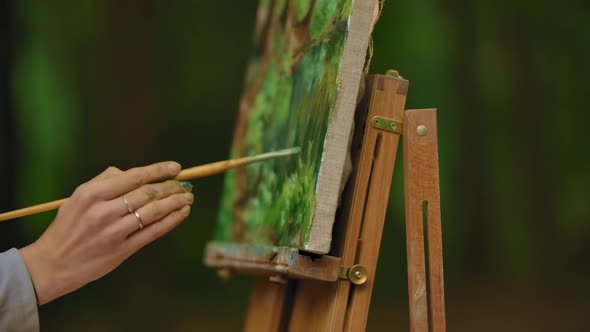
x: 343, y: 306
x: 384, y: 126
x: 423, y: 222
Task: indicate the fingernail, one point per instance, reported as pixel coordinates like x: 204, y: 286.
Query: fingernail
x: 187, y: 186
x: 174, y: 168
x: 185, y: 210
x: 190, y: 198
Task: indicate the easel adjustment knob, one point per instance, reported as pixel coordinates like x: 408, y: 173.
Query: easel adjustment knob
x: 357, y: 274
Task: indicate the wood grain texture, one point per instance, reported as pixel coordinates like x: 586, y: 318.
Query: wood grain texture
x: 421, y: 184
x: 287, y: 262
x: 390, y: 101
x: 383, y: 99
x: 265, y: 311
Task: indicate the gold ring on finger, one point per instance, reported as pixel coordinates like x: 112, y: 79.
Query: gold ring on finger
x: 127, y: 204
x: 139, y: 220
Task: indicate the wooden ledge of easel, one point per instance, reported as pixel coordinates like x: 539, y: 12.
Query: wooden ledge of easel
x: 271, y: 261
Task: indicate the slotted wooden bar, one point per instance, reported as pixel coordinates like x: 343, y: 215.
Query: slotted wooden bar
x: 422, y: 195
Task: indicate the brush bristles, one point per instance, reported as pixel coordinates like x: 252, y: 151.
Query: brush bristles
x: 275, y: 154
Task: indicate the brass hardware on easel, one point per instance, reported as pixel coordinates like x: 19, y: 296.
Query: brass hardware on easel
x: 357, y: 274
x: 386, y: 124
x: 422, y: 130
x: 393, y: 73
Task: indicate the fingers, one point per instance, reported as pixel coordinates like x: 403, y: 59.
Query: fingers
x: 134, y: 178
x: 155, y: 211
x: 107, y: 173
x: 156, y: 230
x: 148, y: 193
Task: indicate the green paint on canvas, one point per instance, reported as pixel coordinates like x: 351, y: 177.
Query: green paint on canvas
x: 291, y: 88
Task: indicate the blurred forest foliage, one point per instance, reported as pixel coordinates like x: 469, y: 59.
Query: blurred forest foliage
x: 87, y: 84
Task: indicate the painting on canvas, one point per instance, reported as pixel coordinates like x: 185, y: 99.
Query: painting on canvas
x: 300, y: 91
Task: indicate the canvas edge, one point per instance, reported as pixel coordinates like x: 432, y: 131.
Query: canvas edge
x: 338, y: 136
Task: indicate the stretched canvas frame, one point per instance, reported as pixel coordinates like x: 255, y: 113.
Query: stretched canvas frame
x: 301, y: 89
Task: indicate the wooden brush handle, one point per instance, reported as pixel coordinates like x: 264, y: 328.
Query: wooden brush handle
x: 184, y: 175
x: 32, y: 210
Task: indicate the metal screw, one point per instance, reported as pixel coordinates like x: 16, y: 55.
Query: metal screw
x: 393, y: 126
x: 422, y: 130
x: 358, y: 274
x: 392, y: 73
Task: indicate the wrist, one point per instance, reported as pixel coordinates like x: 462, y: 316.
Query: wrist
x: 43, y: 269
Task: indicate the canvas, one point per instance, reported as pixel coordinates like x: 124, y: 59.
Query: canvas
x: 300, y: 91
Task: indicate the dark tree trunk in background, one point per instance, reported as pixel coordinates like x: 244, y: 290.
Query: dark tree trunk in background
x: 132, y: 114
x: 7, y: 130
x: 472, y: 194
x: 515, y: 36
x: 133, y: 120
x: 532, y: 116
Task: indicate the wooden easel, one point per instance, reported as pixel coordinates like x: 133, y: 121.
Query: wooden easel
x: 306, y: 292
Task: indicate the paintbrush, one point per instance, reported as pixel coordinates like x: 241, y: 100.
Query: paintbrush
x: 184, y: 175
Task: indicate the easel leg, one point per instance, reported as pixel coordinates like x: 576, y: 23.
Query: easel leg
x: 421, y: 171
x: 388, y: 102
x: 267, y: 302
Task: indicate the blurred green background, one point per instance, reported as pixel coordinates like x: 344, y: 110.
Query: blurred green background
x: 87, y: 84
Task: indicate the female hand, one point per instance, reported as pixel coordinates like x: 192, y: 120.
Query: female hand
x: 97, y: 228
